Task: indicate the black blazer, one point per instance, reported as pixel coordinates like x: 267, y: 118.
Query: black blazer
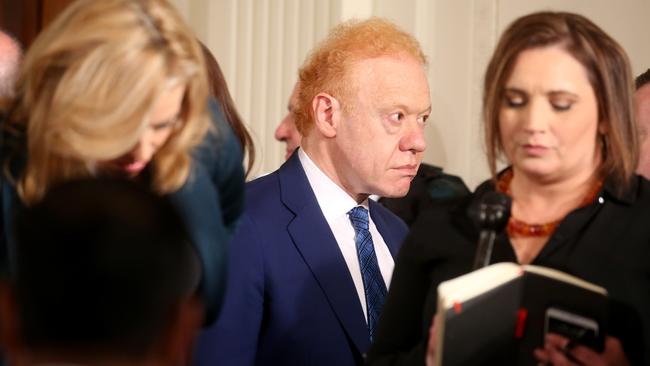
x: 606, y: 242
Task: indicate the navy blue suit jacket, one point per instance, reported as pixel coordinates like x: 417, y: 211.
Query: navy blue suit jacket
x: 290, y: 298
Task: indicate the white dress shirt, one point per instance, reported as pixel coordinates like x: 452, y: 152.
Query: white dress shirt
x: 335, y: 204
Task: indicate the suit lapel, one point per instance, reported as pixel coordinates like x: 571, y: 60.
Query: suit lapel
x: 316, y: 243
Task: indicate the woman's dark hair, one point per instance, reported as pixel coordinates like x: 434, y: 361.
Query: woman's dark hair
x: 219, y: 89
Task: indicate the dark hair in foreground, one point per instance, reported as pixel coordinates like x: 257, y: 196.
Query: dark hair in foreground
x: 607, y: 67
x: 101, y: 266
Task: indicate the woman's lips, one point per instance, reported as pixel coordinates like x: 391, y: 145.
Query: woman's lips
x: 533, y: 149
x: 135, y: 167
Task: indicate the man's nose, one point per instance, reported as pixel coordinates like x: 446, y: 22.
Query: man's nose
x: 281, y: 132
x: 413, y: 140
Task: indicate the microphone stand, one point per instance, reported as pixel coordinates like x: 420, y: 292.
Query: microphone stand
x: 493, y: 215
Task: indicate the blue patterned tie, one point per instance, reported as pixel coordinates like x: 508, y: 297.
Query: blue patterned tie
x: 373, y: 282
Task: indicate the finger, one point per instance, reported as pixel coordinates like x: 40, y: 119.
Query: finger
x: 560, y: 359
x: 557, y: 341
x: 612, y: 354
x: 615, y: 350
x: 431, y: 345
x: 432, y: 330
x: 557, y: 355
x: 585, y: 355
x: 542, y: 356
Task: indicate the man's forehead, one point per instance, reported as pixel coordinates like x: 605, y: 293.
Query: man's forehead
x: 393, y: 80
x: 386, y: 72
x: 392, y: 60
x: 643, y: 93
x: 405, y: 103
x: 642, y: 97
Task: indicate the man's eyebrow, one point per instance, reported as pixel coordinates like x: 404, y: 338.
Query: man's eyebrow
x: 407, y: 109
x: 428, y: 110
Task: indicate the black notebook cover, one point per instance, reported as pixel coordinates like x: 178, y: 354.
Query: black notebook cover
x: 499, y: 314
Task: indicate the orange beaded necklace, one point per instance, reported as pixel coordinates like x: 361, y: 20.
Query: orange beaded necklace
x: 520, y: 228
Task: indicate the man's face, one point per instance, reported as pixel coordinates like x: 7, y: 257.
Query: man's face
x: 287, y: 131
x: 642, y: 97
x: 380, y: 135
x: 10, y: 55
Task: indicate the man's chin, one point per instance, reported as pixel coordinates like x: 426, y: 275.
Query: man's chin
x: 395, y: 193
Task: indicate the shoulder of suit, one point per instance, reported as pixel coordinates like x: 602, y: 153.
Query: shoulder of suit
x: 263, y: 186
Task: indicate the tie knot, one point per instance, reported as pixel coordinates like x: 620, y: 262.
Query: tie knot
x: 359, y: 217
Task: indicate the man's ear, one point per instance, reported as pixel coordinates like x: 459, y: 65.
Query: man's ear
x: 326, y: 110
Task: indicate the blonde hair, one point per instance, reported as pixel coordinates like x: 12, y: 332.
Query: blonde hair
x: 609, y: 73
x: 327, y: 67
x: 89, y: 81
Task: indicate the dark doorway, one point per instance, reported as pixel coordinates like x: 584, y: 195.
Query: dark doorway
x: 24, y: 19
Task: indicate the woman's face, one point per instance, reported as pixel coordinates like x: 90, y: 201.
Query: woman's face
x: 549, y: 116
x: 163, y: 119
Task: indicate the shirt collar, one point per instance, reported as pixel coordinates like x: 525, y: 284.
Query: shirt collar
x: 332, y: 199
x: 628, y: 196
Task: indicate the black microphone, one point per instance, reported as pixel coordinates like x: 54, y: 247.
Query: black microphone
x: 493, y: 215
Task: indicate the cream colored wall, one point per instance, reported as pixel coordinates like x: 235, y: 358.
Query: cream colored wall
x: 261, y: 43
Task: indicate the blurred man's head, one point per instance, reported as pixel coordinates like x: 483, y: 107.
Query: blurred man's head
x: 362, y: 107
x: 642, y: 99
x: 287, y: 131
x: 102, y: 271
x: 10, y: 55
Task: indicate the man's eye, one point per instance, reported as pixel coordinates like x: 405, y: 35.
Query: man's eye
x: 423, y: 119
x: 397, y: 117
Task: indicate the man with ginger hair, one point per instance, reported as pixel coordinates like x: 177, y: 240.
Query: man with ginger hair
x: 313, y: 257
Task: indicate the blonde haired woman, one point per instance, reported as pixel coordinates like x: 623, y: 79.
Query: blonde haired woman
x: 118, y: 88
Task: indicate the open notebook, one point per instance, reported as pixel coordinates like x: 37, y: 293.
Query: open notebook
x: 501, y: 312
